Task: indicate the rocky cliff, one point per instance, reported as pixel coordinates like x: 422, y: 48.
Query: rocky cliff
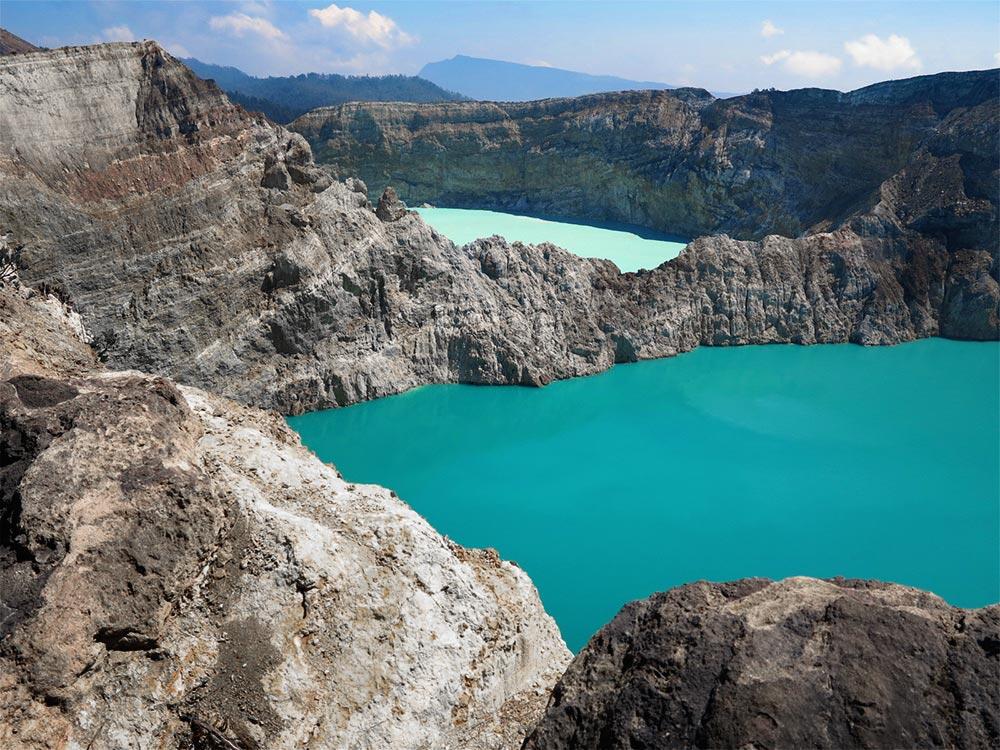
x: 683, y: 162
x: 178, y: 571
x: 798, y: 663
x: 200, y: 242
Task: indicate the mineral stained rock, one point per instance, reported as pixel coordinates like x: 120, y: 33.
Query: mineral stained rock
x: 200, y: 242
x: 176, y: 570
x: 793, y: 664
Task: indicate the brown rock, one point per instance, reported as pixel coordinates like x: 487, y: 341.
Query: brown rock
x: 796, y: 663
x: 390, y: 207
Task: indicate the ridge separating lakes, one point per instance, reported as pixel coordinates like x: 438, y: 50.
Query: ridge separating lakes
x: 717, y: 464
x: 631, y: 248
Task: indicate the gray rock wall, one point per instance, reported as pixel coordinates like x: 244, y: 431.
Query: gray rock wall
x: 200, y: 242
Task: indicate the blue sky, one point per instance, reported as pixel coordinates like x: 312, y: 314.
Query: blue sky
x: 727, y: 46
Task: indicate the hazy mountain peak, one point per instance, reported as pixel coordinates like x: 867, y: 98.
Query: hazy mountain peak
x: 499, y: 80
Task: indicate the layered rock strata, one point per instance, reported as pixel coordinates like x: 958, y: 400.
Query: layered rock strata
x: 200, y: 242
x: 176, y: 570
x: 796, y: 663
x: 683, y: 162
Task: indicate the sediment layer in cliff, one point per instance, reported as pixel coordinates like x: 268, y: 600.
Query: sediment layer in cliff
x: 201, y: 242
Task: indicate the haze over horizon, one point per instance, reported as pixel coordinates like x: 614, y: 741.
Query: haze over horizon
x: 729, y: 46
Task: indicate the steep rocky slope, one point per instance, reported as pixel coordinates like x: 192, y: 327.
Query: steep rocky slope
x: 798, y: 663
x: 11, y: 44
x: 200, y: 242
x: 686, y: 163
x: 178, y: 571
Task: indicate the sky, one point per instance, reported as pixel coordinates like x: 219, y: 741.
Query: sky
x: 723, y: 46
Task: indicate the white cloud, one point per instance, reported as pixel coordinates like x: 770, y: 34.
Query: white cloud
x: 996, y: 56
x: 117, y: 34
x: 768, y: 29
x: 805, y: 63
x: 686, y: 75
x: 373, y: 28
x: 257, y: 8
x: 177, y: 50
x: 894, y: 53
x: 539, y: 63
x: 240, y: 24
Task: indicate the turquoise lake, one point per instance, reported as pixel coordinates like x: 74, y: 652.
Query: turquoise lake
x: 719, y: 464
x: 627, y: 249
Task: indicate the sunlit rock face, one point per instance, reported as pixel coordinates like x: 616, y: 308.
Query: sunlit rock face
x: 683, y: 162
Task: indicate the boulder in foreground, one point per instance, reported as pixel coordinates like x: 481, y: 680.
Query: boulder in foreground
x: 789, y: 664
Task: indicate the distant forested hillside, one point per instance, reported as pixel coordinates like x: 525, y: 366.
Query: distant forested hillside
x: 285, y: 98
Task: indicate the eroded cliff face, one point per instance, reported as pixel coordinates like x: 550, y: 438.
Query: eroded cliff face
x: 178, y: 571
x: 200, y: 242
x: 681, y: 161
x: 795, y: 663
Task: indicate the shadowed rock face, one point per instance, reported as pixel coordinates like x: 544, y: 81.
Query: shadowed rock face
x: 178, y: 571
x: 793, y: 664
x: 200, y: 242
x: 683, y: 162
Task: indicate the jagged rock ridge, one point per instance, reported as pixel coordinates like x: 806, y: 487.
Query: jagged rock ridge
x: 798, y: 663
x: 200, y: 242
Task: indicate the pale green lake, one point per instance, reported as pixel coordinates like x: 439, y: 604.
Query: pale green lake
x: 624, y: 246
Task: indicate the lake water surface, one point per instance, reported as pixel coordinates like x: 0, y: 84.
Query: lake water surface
x: 719, y: 464
x: 630, y: 248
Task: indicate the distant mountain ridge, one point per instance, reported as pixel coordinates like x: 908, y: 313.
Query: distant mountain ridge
x: 12, y: 44
x: 498, y: 80
x: 283, y: 98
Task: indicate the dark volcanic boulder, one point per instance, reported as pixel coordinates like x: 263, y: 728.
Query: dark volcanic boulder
x: 793, y: 664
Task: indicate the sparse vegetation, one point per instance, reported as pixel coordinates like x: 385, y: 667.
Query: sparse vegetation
x: 10, y: 260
